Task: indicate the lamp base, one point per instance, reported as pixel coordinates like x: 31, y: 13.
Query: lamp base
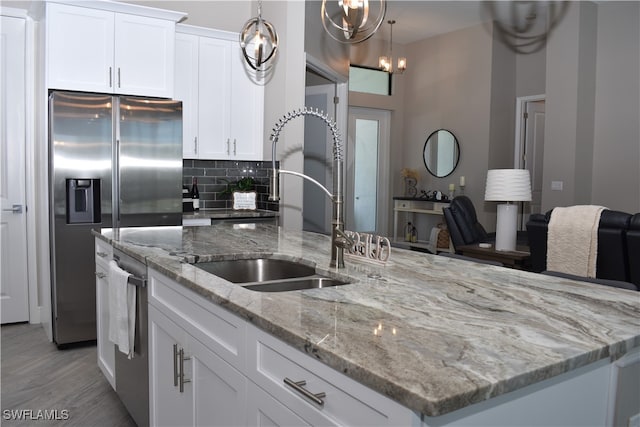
x: 506, y: 225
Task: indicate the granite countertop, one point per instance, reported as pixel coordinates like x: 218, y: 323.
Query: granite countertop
x: 448, y: 333
x: 229, y: 214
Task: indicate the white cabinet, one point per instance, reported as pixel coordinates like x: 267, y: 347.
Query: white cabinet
x: 222, y: 106
x: 106, y: 349
x: 237, y: 372
x: 97, y: 50
x: 190, y: 383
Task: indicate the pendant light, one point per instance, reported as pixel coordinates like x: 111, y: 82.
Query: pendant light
x: 386, y: 63
x: 259, y: 42
x: 352, y: 21
x: 518, y: 24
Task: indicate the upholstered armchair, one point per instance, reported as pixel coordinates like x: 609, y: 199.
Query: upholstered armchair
x: 463, y: 224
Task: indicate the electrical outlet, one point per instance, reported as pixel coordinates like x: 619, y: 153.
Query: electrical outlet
x: 556, y: 185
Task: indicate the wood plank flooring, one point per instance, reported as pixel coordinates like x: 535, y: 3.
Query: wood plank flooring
x: 38, y: 377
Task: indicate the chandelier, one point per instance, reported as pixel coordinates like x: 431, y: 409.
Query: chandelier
x: 517, y: 24
x: 386, y: 63
x: 352, y: 21
x: 259, y: 42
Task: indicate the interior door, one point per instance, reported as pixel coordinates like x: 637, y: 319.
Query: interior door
x: 13, y: 227
x: 367, y: 199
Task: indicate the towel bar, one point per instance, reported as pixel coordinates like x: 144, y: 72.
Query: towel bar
x: 133, y: 279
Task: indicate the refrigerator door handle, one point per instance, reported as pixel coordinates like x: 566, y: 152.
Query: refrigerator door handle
x: 116, y: 184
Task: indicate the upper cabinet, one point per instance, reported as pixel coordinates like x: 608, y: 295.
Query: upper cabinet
x: 222, y: 106
x: 108, y: 51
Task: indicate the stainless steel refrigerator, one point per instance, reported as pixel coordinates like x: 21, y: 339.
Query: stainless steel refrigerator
x: 115, y: 161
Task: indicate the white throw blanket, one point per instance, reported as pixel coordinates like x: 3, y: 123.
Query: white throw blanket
x: 122, y: 309
x: 572, y: 242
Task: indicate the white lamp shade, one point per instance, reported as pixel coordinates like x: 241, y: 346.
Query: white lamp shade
x: 508, y: 185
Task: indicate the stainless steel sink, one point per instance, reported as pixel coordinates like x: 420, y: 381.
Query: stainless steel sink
x: 269, y: 275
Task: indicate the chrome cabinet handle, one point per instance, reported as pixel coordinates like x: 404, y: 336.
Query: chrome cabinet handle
x: 17, y: 209
x: 118, y: 76
x: 183, y: 380
x: 228, y: 146
x: 101, y: 254
x: 175, y: 365
x: 234, y: 146
x: 110, y: 77
x: 297, y: 386
x: 100, y: 275
x: 195, y: 145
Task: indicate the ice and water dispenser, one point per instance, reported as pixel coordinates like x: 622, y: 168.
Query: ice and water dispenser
x: 83, y: 201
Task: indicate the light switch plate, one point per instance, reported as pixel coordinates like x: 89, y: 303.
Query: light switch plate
x: 556, y: 185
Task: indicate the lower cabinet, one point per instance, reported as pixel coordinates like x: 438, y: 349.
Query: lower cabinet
x: 189, y: 383
x: 233, y: 373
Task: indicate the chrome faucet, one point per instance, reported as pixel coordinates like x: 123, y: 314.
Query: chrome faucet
x: 339, y: 240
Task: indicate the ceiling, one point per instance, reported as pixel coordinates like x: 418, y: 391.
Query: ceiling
x: 418, y: 20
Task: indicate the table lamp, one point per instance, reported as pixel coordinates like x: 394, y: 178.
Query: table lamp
x: 507, y: 185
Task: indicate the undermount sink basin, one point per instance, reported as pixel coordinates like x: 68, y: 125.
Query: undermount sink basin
x: 269, y: 275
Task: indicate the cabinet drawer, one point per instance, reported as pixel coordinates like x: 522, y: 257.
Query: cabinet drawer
x: 104, y: 252
x: 346, y: 402
x: 215, y: 327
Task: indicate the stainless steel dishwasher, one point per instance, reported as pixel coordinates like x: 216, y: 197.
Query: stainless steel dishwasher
x: 132, y: 375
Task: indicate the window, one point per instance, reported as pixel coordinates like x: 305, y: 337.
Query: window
x: 369, y: 80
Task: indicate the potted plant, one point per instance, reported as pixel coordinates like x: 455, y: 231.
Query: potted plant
x: 243, y: 193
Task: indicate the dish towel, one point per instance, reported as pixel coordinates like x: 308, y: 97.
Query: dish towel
x: 572, y: 243
x: 122, y: 309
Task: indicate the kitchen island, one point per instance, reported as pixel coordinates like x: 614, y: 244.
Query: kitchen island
x: 445, y: 338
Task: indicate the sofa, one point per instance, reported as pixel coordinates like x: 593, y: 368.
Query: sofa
x: 618, y: 245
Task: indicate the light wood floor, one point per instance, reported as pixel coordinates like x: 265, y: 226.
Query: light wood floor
x: 36, y: 376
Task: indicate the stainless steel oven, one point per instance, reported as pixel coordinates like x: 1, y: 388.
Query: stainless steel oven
x: 132, y: 375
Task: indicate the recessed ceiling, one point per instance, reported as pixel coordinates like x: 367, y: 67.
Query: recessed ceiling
x: 418, y: 20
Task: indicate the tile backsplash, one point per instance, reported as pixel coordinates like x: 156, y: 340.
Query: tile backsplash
x: 213, y: 176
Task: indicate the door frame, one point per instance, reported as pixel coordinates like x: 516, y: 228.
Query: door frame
x: 521, y: 107
x: 519, y: 141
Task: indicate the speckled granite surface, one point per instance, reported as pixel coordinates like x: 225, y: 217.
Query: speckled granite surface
x: 449, y: 333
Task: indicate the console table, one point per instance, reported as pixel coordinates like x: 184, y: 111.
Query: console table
x: 412, y: 206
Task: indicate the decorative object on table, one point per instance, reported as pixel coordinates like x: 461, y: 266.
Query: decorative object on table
x: 452, y: 191
x: 386, y: 62
x: 368, y: 247
x: 410, y: 233
x: 259, y: 42
x: 441, y: 153
x: 243, y: 193
x: 352, y: 21
x: 507, y: 185
x: 411, y: 177
x: 462, y: 184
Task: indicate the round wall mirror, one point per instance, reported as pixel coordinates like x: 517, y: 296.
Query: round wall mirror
x: 441, y: 153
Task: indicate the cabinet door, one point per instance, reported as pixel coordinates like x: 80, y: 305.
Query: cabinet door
x: 144, y: 55
x: 186, y: 90
x: 167, y: 405
x: 219, y: 389
x: 264, y: 410
x: 247, y: 107
x: 106, y: 349
x: 79, y: 48
x: 213, y: 99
